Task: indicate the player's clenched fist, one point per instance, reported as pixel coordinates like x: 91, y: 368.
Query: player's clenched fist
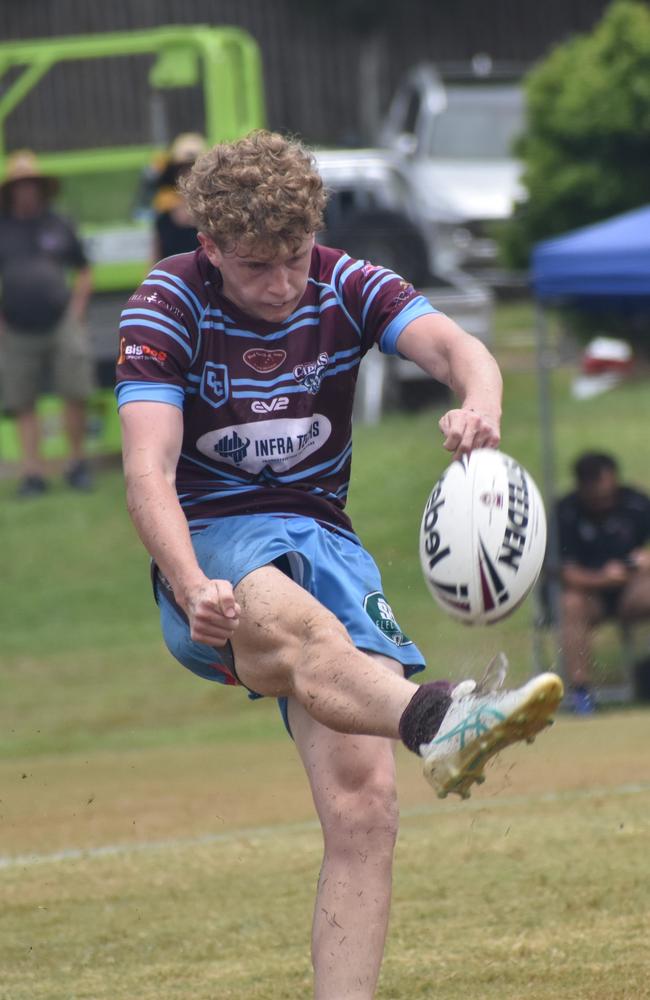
x: 213, y: 613
x: 466, y: 429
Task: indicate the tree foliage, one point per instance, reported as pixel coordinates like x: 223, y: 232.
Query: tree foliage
x: 586, y: 148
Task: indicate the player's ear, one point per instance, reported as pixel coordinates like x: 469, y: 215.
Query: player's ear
x: 212, y: 251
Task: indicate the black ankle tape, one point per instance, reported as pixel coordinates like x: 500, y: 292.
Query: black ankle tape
x: 422, y: 716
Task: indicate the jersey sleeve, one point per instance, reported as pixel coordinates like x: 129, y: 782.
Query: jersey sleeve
x: 381, y: 302
x: 159, y: 330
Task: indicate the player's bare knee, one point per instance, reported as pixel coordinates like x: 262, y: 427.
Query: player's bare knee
x: 365, y: 813
x: 323, y: 644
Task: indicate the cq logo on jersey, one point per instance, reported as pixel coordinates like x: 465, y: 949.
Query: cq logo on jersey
x: 215, y: 385
x: 270, y: 405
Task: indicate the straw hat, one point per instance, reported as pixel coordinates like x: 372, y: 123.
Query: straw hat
x: 23, y: 165
x: 184, y: 150
x: 186, y: 147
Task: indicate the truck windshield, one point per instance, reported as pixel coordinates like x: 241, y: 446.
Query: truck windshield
x: 478, y: 123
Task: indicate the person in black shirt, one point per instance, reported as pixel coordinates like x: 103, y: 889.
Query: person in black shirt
x: 41, y: 318
x: 175, y: 230
x: 604, y: 533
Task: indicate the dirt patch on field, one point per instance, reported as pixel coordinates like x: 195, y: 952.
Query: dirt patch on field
x: 80, y: 801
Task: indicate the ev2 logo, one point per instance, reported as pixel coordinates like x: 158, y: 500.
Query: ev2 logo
x: 272, y: 406
x: 215, y: 385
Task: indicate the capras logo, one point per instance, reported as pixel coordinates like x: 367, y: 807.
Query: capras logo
x: 270, y: 405
x: 311, y: 373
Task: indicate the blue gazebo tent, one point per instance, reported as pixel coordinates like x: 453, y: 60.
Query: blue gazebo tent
x: 606, y: 261
x: 604, y: 266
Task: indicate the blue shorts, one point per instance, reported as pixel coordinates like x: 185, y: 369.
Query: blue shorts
x: 329, y: 564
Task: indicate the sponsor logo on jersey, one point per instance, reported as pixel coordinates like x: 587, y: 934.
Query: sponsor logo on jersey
x: 154, y: 299
x: 381, y: 613
x: 406, y: 291
x: 311, y: 373
x: 270, y: 405
x: 140, y: 351
x: 277, y: 444
x: 261, y: 360
x: 215, y: 385
x: 231, y: 446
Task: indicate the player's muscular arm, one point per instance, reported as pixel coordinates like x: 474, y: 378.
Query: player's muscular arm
x: 152, y: 434
x: 442, y: 349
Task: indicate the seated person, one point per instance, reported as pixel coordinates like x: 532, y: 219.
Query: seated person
x: 604, y: 532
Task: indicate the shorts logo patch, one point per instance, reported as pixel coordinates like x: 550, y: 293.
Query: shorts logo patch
x: 381, y: 613
x: 215, y: 385
x: 261, y: 360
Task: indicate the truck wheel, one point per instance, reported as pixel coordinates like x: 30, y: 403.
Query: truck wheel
x: 384, y: 238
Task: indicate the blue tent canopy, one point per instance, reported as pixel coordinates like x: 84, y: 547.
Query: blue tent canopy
x: 606, y: 263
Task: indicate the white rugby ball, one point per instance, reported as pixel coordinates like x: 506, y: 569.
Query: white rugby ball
x: 482, y: 537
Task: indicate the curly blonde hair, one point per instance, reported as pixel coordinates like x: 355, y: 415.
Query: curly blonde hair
x: 262, y: 193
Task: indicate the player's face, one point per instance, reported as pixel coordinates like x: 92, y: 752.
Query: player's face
x: 267, y: 288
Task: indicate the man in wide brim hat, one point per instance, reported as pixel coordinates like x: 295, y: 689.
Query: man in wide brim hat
x: 45, y: 284
x: 23, y: 166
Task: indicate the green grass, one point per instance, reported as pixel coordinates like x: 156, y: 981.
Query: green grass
x: 533, y: 898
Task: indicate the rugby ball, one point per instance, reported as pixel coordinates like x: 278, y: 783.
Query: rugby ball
x: 482, y: 537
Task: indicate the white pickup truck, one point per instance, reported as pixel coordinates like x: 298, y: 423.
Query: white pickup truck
x: 424, y: 202
x: 373, y: 215
x: 444, y: 156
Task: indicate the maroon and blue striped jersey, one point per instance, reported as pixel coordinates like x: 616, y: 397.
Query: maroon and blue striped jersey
x: 267, y: 408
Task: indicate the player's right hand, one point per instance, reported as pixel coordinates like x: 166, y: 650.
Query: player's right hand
x: 213, y: 613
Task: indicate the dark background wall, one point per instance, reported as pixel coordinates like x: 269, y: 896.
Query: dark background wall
x: 311, y: 57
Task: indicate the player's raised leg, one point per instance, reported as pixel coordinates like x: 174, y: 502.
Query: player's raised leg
x: 289, y: 644
x: 352, y: 780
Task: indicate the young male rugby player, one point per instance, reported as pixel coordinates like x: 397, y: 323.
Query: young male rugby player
x: 236, y: 379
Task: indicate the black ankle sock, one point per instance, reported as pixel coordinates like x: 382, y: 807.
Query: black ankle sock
x: 422, y: 716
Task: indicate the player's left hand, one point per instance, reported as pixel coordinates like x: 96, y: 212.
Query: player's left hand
x: 466, y: 429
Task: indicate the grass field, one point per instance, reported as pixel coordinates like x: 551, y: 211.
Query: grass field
x: 156, y: 834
